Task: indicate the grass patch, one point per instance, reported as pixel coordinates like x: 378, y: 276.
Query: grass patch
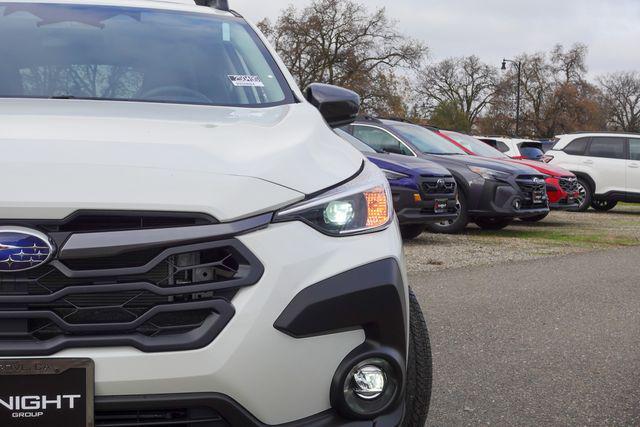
x: 563, y: 237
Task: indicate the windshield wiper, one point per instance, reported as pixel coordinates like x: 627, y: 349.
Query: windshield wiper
x: 63, y: 97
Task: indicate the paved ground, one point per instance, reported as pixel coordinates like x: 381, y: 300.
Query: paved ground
x: 555, y: 341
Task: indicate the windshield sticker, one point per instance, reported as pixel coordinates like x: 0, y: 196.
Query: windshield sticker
x: 246, y: 81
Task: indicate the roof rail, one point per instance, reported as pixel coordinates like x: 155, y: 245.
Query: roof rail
x: 397, y: 119
x: 216, y: 4
x: 603, y: 131
x: 369, y: 119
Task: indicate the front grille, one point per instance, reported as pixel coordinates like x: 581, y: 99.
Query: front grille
x: 530, y: 186
x: 191, y: 417
x: 171, y: 298
x: 438, y: 186
x: 87, y: 221
x: 569, y: 185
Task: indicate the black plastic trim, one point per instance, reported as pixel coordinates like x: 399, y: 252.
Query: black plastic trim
x: 233, y: 243
x: 371, y: 297
x: 230, y: 410
x: 104, y: 244
x: 197, y: 338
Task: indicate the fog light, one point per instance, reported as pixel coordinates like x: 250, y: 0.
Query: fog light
x: 366, y: 388
x: 517, y: 204
x: 338, y: 213
x: 369, y: 382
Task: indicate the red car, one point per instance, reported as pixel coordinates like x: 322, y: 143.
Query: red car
x: 562, y: 185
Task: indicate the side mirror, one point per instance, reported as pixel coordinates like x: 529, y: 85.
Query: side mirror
x: 338, y: 106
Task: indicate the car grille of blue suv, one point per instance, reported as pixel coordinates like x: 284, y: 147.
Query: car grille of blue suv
x: 155, y: 289
x: 434, y: 186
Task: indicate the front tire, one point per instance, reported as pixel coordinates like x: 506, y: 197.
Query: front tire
x: 536, y: 218
x: 493, y: 223
x: 454, y: 226
x: 419, y: 368
x: 410, y: 232
x: 603, y: 205
x: 585, y: 195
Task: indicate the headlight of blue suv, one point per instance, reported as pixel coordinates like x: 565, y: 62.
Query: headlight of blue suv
x: 392, y: 176
x: 361, y: 205
x: 490, y: 173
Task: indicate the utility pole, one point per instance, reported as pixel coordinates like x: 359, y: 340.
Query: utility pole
x: 518, y: 65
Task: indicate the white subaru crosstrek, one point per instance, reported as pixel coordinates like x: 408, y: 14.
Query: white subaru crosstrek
x: 183, y: 239
x: 607, y: 166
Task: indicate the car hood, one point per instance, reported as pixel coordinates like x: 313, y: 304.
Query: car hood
x: 484, y: 162
x: 411, y: 164
x: 543, y: 167
x: 64, y: 155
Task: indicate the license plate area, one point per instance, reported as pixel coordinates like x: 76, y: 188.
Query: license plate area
x: 441, y: 206
x: 46, y: 392
x: 538, y: 197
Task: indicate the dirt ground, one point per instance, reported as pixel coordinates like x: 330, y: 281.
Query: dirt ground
x: 559, y: 234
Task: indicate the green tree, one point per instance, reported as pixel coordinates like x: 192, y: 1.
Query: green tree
x: 448, y: 115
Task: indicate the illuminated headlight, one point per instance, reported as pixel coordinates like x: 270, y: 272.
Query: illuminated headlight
x: 362, y: 205
x: 491, y: 174
x: 392, y: 176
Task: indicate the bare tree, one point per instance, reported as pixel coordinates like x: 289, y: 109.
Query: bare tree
x: 621, y: 92
x: 467, y: 83
x: 570, y: 66
x: 556, y: 96
x: 339, y: 42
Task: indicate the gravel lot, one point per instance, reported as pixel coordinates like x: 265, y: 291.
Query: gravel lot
x: 561, y: 233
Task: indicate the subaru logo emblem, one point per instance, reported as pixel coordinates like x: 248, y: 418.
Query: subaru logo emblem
x: 23, y: 249
x: 538, y: 181
x: 441, y: 184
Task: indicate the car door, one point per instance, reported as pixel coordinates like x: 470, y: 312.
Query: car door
x: 633, y: 170
x: 380, y: 140
x: 606, y: 160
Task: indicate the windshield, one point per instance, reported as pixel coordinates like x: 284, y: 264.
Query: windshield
x: 133, y: 54
x: 426, y: 141
x: 355, y: 142
x: 474, y: 145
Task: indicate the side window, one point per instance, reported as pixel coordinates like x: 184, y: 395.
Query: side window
x: 577, y: 147
x: 502, y: 147
x: 634, y: 149
x: 380, y: 140
x: 607, y: 147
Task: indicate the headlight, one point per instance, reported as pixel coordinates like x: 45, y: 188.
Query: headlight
x: 362, y: 205
x: 490, y: 173
x: 392, y: 176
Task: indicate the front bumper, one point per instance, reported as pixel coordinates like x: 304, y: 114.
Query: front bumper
x: 498, y: 199
x: 559, y: 199
x: 409, y: 211
x: 295, y: 372
x: 213, y: 410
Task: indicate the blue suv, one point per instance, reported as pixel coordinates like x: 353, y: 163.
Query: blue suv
x: 423, y: 191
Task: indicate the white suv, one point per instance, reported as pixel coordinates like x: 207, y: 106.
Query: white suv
x: 607, y: 166
x: 515, y: 148
x: 183, y: 239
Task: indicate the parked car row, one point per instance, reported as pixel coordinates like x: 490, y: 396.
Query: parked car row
x: 443, y: 180
x: 450, y: 180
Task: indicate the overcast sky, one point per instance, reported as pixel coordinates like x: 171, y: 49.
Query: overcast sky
x: 493, y: 29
